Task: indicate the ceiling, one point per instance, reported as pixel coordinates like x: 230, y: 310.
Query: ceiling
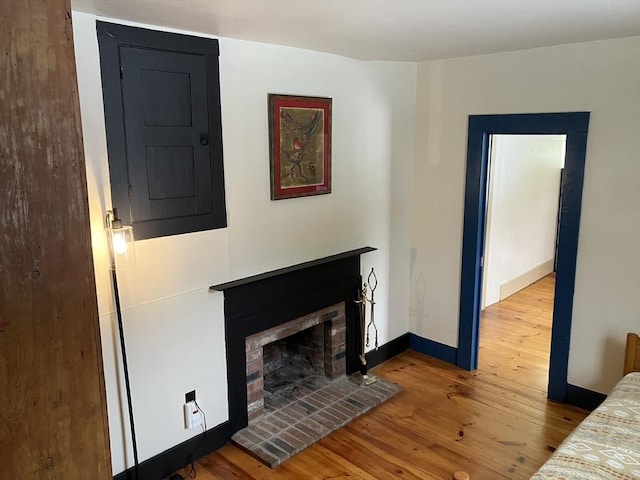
x: 397, y: 30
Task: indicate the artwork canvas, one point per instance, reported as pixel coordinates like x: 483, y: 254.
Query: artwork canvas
x: 300, y: 141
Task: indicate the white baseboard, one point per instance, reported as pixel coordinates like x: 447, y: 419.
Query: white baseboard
x: 524, y: 280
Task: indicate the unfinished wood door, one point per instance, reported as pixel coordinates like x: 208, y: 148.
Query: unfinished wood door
x: 53, y: 419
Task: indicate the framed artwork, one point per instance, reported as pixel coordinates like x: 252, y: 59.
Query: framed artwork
x: 300, y: 146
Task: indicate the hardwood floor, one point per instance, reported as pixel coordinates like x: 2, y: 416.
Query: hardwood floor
x: 515, y: 335
x: 494, y: 423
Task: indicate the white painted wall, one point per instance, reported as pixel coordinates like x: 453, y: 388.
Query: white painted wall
x: 602, y: 77
x: 174, y: 326
x: 522, y: 210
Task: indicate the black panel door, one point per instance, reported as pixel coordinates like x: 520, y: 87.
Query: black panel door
x: 165, y: 114
x: 164, y: 129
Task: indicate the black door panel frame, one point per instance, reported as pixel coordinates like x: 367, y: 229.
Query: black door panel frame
x: 116, y: 43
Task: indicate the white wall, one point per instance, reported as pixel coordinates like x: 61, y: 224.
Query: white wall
x: 174, y: 326
x: 602, y: 77
x: 522, y: 211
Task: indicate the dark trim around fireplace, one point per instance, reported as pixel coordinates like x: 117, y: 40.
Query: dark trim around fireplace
x: 222, y: 287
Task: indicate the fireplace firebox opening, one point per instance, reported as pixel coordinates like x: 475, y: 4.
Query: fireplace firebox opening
x: 279, y: 357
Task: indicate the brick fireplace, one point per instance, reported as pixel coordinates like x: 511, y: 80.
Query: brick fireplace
x: 268, y: 301
x: 291, y: 336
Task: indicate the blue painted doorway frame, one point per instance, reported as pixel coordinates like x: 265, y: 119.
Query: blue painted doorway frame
x: 575, y: 126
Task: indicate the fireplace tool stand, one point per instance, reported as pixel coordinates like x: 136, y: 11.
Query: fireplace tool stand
x: 363, y: 377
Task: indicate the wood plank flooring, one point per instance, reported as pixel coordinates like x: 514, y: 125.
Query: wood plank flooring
x: 494, y: 423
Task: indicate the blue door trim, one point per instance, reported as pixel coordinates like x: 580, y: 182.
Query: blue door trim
x: 575, y: 126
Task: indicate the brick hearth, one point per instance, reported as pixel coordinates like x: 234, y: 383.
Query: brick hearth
x: 308, y: 410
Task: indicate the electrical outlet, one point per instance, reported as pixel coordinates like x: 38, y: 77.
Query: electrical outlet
x: 192, y: 415
x: 190, y: 396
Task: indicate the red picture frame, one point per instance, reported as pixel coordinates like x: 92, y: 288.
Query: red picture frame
x: 300, y: 146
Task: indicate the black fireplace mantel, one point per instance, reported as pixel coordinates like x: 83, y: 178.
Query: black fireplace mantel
x: 260, y: 302
x: 221, y: 287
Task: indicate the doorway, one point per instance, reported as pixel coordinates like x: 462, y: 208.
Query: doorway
x: 523, y: 189
x: 481, y: 127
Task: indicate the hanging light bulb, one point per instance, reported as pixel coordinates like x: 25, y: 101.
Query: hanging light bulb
x: 120, y: 246
x: 121, y: 242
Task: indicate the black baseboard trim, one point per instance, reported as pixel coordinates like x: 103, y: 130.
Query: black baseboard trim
x: 388, y: 350
x: 432, y: 348
x: 175, y: 458
x: 583, y: 398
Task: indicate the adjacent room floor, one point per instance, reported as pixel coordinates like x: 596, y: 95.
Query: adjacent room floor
x: 515, y: 335
x: 494, y: 423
